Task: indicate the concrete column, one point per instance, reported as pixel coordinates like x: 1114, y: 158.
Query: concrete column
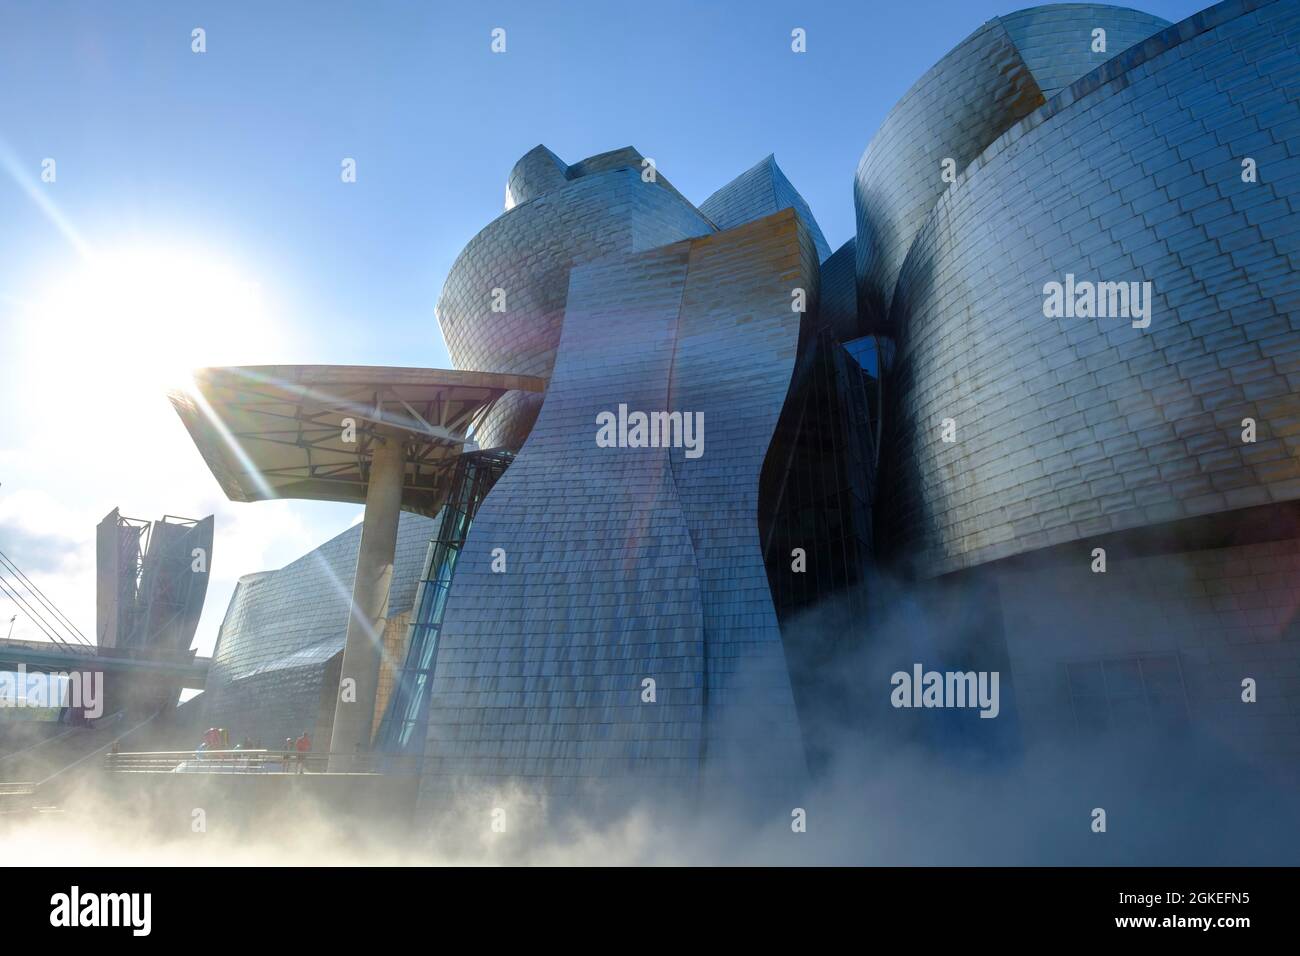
x: 353, y: 718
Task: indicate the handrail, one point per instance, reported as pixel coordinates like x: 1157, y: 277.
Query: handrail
x: 40, y: 743
x: 255, y: 761
x: 112, y: 718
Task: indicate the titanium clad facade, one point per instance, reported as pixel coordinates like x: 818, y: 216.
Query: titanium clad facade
x: 737, y: 341
x: 964, y: 102
x: 632, y: 563
x: 1074, y: 427
x: 1056, y: 41
x: 527, y: 252
x: 633, y: 615
x: 1084, y: 433
x: 275, y: 666
x: 538, y: 171
x: 758, y: 192
x: 839, y: 294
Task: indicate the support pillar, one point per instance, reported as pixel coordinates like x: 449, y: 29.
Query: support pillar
x: 363, y: 651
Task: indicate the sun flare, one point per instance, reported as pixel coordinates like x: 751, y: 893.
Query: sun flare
x: 130, y: 324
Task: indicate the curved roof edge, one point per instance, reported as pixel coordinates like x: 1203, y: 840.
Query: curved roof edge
x: 540, y: 171
x: 1005, y: 70
x: 1114, y: 69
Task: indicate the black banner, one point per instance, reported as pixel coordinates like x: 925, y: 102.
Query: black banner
x: 309, y: 904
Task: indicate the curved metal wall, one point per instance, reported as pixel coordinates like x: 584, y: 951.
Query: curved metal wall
x: 623, y: 564
x: 527, y: 252
x: 737, y: 339
x: 538, y: 171
x: 1055, y: 41
x: 1074, y: 427
x: 999, y: 74
x: 282, y: 628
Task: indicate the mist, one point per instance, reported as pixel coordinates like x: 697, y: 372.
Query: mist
x: 886, y: 786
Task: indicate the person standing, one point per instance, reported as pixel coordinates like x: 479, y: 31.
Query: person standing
x: 304, y: 748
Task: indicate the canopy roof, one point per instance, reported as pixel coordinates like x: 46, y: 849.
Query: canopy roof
x: 282, y: 431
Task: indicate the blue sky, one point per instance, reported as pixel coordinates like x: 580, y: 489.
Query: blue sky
x: 175, y: 160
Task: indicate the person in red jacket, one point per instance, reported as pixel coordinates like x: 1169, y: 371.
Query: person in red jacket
x: 303, y: 746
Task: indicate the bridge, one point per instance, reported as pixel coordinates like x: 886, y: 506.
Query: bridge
x: 168, y: 666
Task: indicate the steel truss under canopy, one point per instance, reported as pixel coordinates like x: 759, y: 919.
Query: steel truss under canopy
x: 309, y: 431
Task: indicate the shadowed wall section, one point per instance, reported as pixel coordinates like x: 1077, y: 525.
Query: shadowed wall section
x: 628, y: 563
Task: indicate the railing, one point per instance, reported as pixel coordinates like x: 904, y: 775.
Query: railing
x: 16, y: 789
x: 44, y: 742
x: 256, y: 761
